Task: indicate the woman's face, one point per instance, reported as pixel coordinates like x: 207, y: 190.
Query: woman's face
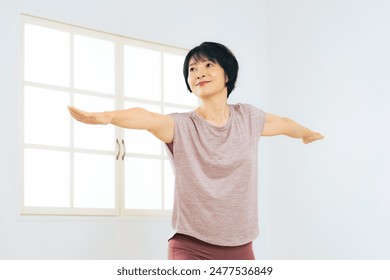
x: 206, y: 78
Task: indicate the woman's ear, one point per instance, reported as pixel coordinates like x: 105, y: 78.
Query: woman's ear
x: 226, y: 79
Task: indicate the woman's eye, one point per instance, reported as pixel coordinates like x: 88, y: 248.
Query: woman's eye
x: 191, y: 69
x: 209, y: 64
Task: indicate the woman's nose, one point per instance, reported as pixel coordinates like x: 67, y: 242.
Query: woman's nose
x: 200, y: 76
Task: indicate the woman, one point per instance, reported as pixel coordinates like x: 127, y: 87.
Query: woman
x: 213, y: 150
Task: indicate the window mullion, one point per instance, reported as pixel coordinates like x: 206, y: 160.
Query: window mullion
x: 119, y: 97
x: 162, y: 147
x: 71, y: 134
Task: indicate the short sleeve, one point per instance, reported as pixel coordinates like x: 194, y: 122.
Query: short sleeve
x: 179, y: 125
x: 257, y: 117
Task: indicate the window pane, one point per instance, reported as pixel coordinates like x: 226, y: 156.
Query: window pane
x: 142, y: 73
x: 169, y: 185
x: 141, y: 141
x: 46, y: 178
x: 142, y: 183
x: 99, y: 137
x: 94, y: 181
x: 175, y: 90
x: 94, y: 64
x: 46, y: 55
x: 46, y: 117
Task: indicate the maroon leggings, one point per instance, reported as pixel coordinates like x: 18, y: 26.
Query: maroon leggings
x: 184, y: 247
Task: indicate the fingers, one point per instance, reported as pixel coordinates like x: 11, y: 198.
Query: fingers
x: 316, y: 136
x: 80, y: 115
x: 319, y: 136
x: 75, y: 113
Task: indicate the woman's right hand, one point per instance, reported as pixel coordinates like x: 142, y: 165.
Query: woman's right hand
x: 161, y: 126
x: 90, y: 118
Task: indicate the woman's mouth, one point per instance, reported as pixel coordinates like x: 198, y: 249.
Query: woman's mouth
x: 202, y: 83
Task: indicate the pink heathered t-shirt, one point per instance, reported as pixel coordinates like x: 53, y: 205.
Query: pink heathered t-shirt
x: 216, y: 176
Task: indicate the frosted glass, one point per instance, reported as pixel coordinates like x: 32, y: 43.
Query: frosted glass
x: 99, y: 137
x: 143, y: 183
x: 94, y: 181
x: 175, y: 90
x: 142, y: 141
x: 94, y: 64
x: 46, y: 55
x: 46, y: 117
x: 46, y: 178
x: 169, y: 184
x: 142, y: 73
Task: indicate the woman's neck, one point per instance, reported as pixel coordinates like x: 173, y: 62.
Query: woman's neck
x: 215, y: 112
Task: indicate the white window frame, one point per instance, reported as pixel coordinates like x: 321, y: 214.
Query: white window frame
x: 119, y: 100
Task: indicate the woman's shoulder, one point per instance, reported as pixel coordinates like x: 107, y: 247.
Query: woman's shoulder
x: 182, y: 116
x: 249, y: 111
x: 244, y: 107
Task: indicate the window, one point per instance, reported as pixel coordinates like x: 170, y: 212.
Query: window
x: 72, y: 168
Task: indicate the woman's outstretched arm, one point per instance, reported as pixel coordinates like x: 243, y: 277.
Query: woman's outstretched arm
x: 159, y: 125
x: 275, y: 125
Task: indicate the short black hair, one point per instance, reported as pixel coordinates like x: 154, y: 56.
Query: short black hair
x: 216, y: 53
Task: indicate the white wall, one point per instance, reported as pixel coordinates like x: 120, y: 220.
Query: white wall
x: 183, y: 23
x: 329, y: 69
